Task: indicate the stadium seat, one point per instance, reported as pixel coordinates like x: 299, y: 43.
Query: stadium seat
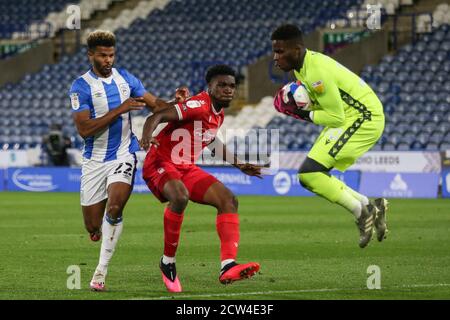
x: 22, y: 13
x: 432, y: 147
x: 420, y: 102
x: 389, y: 147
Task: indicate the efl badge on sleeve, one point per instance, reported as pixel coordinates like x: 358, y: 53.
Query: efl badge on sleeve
x: 318, y: 86
x: 75, y: 101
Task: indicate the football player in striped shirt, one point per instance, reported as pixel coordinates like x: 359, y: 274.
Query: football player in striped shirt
x: 102, y: 100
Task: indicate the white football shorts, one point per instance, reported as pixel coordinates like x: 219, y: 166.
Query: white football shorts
x: 97, y: 176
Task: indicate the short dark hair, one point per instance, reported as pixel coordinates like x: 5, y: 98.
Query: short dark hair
x: 101, y: 38
x: 288, y: 32
x: 219, y: 69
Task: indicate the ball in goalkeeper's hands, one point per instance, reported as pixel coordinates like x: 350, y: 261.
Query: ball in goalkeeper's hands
x: 296, y: 93
x: 293, y: 96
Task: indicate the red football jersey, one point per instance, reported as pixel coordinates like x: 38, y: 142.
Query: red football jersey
x: 183, y: 141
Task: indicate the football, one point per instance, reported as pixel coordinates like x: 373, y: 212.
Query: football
x: 297, y: 91
x: 291, y: 97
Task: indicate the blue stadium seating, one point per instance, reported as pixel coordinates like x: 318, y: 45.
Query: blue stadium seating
x: 16, y: 15
x: 169, y: 48
x: 415, y: 88
x: 175, y: 46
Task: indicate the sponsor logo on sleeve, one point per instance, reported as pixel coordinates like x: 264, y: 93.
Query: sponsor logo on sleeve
x: 318, y: 86
x: 75, y: 101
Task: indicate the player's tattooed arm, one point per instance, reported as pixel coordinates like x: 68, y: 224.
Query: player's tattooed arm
x: 88, y: 127
x: 165, y: 115
x: 155, y: 104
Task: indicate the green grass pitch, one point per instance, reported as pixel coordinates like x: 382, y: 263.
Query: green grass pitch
x: 307, y: 247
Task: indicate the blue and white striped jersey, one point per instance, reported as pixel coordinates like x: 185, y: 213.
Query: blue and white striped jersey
x: 99, y: 96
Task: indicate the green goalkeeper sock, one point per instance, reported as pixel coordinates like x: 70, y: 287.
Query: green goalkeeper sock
x: 331, y: 189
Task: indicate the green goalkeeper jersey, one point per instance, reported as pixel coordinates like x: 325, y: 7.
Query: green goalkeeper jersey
x: 338, y: 94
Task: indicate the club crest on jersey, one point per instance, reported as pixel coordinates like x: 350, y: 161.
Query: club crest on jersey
x: 318, y: 86
x: 75, y: 101
x: 124, y: 89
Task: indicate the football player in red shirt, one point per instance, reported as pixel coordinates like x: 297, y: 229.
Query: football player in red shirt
x: 171, y: 174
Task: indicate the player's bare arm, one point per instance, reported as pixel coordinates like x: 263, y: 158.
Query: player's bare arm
x: 165, y: 115
x: 155, y: 104
x: 247, y: 168
x: 88, y: 127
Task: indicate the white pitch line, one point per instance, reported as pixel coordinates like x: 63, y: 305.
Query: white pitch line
x: 260, y: 293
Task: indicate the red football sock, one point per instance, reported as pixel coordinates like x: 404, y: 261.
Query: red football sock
x: 228, y: 229
x: 172, y: 227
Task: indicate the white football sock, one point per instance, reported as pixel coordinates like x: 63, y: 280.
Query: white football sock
x: 349, y: 202
x: 110, y: 236
x: 362, y: 198
x: 167, y: 260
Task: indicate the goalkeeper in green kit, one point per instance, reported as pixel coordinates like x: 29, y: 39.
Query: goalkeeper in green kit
x: 353, y: 119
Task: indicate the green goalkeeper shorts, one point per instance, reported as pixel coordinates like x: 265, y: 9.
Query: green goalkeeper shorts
x: 340, y: 147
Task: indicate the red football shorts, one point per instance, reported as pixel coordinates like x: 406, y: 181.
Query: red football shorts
x: 157, y: 171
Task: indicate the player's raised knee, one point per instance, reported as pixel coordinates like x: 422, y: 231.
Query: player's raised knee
x: 114, y: 210
x: 179, y: 200
x: 228, y: 203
